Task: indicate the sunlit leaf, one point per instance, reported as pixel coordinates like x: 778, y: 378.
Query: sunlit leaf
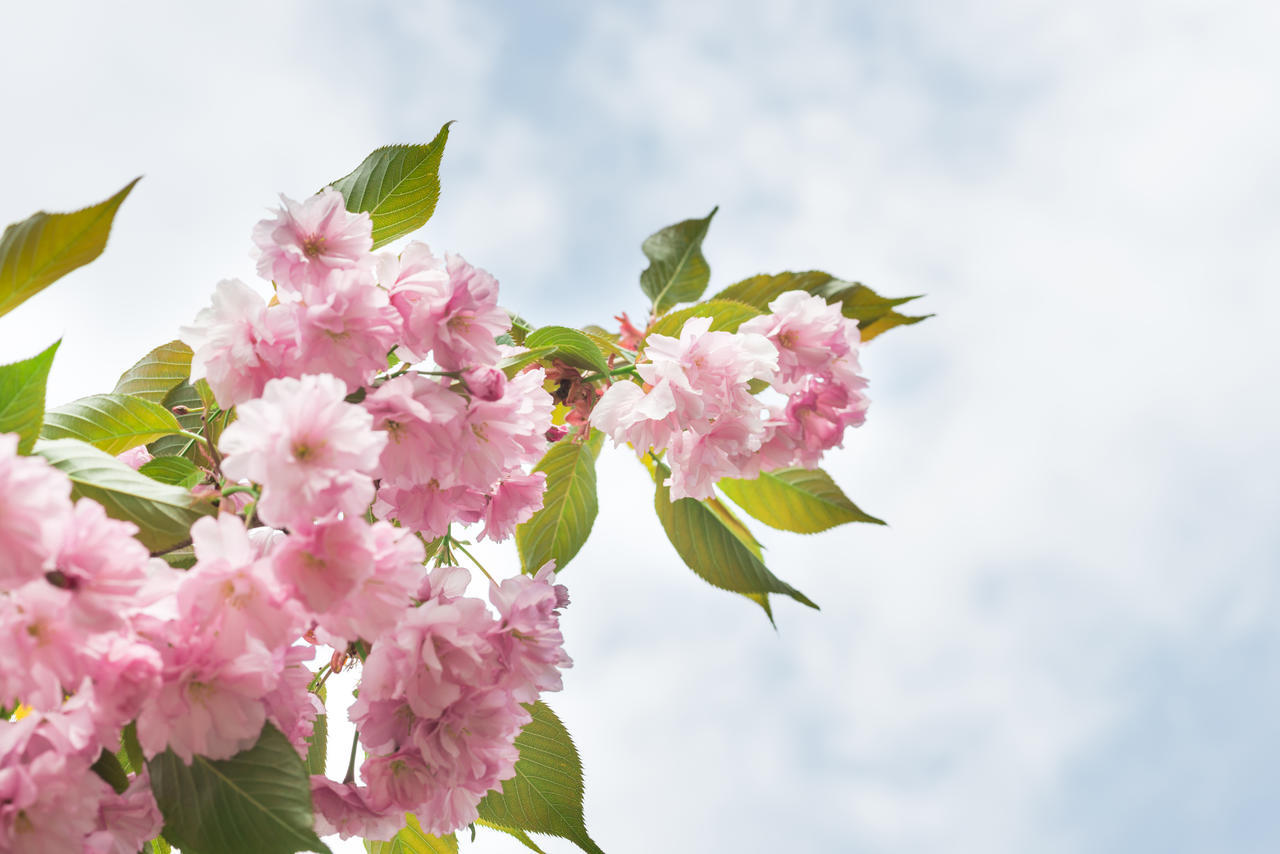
x: 726, y: 316
x: 569, y: 507
x: 571, y: 347
x: 110, y: 422
x: 794, y: 499
x: 412, y: 839
x: 677, y: 271
x: 22, y: 387
x: 157, y: 373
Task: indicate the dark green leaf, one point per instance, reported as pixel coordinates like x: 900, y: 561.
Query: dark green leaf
x: 176, y: 471
x: 571, y: 347
x: 258, y: 800
x: 677, y: 272
x: 108, y: 767
x: 110, y: 422
x: 874, y: 313
x: 559, y: 529
x: 182, y: 396
x: 164, y: 514
x: 398, y: 185
x: 726, y: 315
x: 44, y: 247
x: 156, y: 374
x: 794, y: 499
x: 545, y: 795
x: 412, y: 839
x: 715, y: 545
x: 22, y: 386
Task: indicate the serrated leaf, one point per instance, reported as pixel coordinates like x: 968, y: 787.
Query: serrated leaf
x: 726, y: 316
x: 713, y: 548
x: 520, y: 328
x: 22, y: 387
x: 176, y: 471
x: 875, y: 314
x: 184, y: 394
x: 519, y: 835
x: 258, y: 800
x: 545, y: 795
x: 398, y: 186
x: 571, y: 346
x: 113, y: 423
x: 157, y: 373
x: 677, y: 271
x: 513, y: 364
x: 558, y: 531
x: 805, y: 501
x: 164, y: 514
x: 44, y: 247
x: 412, y: 839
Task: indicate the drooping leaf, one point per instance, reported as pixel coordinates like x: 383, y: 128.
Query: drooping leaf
x: 44, y: 247
x: 571, y: 346
x: 176, y: 471
x: 794, y: 499
x: 258, y: 800
x: 545, y: 795
x: 412, y: 839
x: 713, y: 546
x: 22, y: 386
x: 677, y: 271
x: 156, y: 374
x: 164, y: 514
x: 519, y: 835
x: 398, y: 185
x: 569, y: 507
x: 110, y: 422
x: 875, y: 314
x: 726, y: 315
x: 318, y: 745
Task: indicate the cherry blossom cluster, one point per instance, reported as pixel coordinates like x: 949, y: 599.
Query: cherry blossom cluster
x: 697, y: 402
x: 338, y: 469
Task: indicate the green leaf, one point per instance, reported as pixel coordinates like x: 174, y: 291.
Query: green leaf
x: 110, y: 422
x: 258, y: 800
x: 513, y: 364
x: 176, y: 471
x: 726, y: 315
x: 520, y: 328
x: 109, y: 768
x: 875, y: 314
x: 794, y: 499
x: 22, y: 386
x: 318, y: 741
x: 677, y: 272
x: 569, y: 507
x: 44, y: 247
x: 545, y: 795
x: 164, y: 514
x: 571, y: 347
x: 412, y: 839
x: 183, y: 395
x: 519, y: 835
x: 715, y: 545
x: 398, y: 185
x: 156, y: 374
x: 159, y: 845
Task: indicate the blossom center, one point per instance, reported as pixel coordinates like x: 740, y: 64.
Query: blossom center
x: 313, y: 245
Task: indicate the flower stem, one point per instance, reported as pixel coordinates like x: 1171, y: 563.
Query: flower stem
x: 351, y: 763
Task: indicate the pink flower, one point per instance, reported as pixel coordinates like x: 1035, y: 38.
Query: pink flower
x: 515, y: 500
x: 322, y: 563
x: 239, y: 344
x: 810, y: 335
x: 290, y: 706
x: 531, y: 642
x: 35, y: 504
x: 429, y: 509
x: 135, y: 458
x: 423, y: 422
x: 43, y: 649
x: 130, y: 818
x: 416, y: 280
x: 379, y: 598
x: 307, y: 239
x: 504, y: 434
x: 726, y: 448
x: 102, y: 566
x: 814, y: 420
x: 125, y: 673
x: 346, y: 327
x: 344, y: 810
x: 485, y: 383
x: 311, y: 451
x: 48, y: 801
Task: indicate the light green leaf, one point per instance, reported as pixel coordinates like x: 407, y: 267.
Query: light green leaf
x: 794, y: 499
x: 711, y: 542
x: 412, y: 839
x: 520, y: 328
x: 571, y: 346
x: 513, y: 364
x: 176, y: 471
x: 318, y: 741
x: 183, y: 396
x: 569, y: 507
x: 110, y: 422
x: 22, y: 386
x: 44, y: 247
x: 519, y: 835
x: 164, y: 514
x: 258, y: 800
x: 545, y: 795
x: 157, y: 373
x: 726, y: 316
x: 677, y: 272
x: 875, y: 314
x: 158, y: 846
x: 398, y: 185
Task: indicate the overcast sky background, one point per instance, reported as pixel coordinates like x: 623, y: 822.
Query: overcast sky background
x: 1067, y: 640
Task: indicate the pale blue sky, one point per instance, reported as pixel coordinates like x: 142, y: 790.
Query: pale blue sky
x: 1067, y: 639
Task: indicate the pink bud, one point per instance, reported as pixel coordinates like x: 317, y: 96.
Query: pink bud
x: 486, y: 383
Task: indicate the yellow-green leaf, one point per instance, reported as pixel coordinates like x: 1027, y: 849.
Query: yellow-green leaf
x: 794, y: 499
x: 22, y: 387
x: 412, y: 839
x: 110, y: 422
x: 559, y: 529
x: 157, y: 373
x: 571, y: 347
x: 726, y: 316
x: 44, y: 247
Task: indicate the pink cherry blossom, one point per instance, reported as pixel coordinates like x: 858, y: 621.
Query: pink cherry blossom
x: 135, y: 458
x: 428, y: 508
x: 43, y: 648
x: 423, y: 421
x: 530, y: 639
x: 125, y: 673
x: 515, y: 500
x: 35, y: 505
x: 346, y: 327
x: 128, y: 819
x: 290, y: 706
x: 485, y: 382
x: 343, y: 809
x: 307, y: 239
x: 505, y: 434
x: 311, y: 451
x: 322, y: 563
x: 809, y: 335
x: 455, y: 319
x: 380, y: 597
x: 102, y: 566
